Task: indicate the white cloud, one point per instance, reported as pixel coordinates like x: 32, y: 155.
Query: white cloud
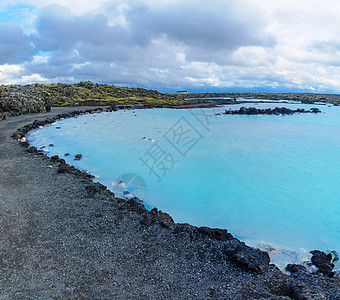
x: 9, y: 73
x: 37, y: 59
x: 173, y: 44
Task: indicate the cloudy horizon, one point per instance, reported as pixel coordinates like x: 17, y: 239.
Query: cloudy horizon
x: 235, y: 45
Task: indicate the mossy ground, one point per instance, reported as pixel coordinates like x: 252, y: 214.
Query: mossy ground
x: 87, y: 93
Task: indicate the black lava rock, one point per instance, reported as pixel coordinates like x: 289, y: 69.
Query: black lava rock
x: 269, y: 111
x: 293, y: 268
x: 32, y: 150
x: 215, y: 233
x: 253, y: 259
x: 78, y: 157
x: 323, y: 262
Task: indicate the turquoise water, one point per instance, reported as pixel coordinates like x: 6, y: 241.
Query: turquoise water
x: 267, y: 179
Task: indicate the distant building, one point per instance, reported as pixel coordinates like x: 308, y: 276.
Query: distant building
x: 182, y: 92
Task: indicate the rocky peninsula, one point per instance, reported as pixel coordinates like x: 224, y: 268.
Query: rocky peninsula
x: 64, y: 236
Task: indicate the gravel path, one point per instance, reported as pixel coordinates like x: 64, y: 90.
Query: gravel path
x: 60, y: 239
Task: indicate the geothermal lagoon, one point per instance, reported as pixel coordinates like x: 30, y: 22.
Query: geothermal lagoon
x: 272, y: 181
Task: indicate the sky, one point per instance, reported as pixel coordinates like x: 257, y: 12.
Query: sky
x: 169, y: 45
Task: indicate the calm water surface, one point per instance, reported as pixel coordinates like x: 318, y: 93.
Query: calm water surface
x: 267, y: 179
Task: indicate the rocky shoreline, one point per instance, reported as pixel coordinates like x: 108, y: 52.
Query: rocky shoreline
x: 242, y: 266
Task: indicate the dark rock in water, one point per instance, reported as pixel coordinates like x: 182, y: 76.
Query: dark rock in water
x: 18, y: 135
x: 78, y: 157
x: 315, y: 110
x: 58, y: 127
x: 335, y: 256
x: 25, y: 144
x: 51, y: 145
x: 67, y: 154
x: 215, y: 233
x: 253, y: 259
x: 137, y: 199
x: 37, y: 123
x: 55, y: 158
x: 32, y: 150
x: 269, y: 111
x: 185, y: 228
x: 137, y: 206
x: 95, y: 188
x: 164, y: 219
x: 62, y: 161
x: 42, y: 149
x: 66, y: 168
x: 323, y: 262
x: 293, y: 268
x: 128, y: 195
x: 154, y: 216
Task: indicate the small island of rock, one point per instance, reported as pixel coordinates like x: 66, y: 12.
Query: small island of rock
x: 269, y: 111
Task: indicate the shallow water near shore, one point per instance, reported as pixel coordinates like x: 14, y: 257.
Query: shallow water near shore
x: 267, y: 179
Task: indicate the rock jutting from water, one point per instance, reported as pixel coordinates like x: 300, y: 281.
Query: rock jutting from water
x: 269, y: 111
x: 324, y: 262
x: 320, y: 263
x: 78, y: 157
